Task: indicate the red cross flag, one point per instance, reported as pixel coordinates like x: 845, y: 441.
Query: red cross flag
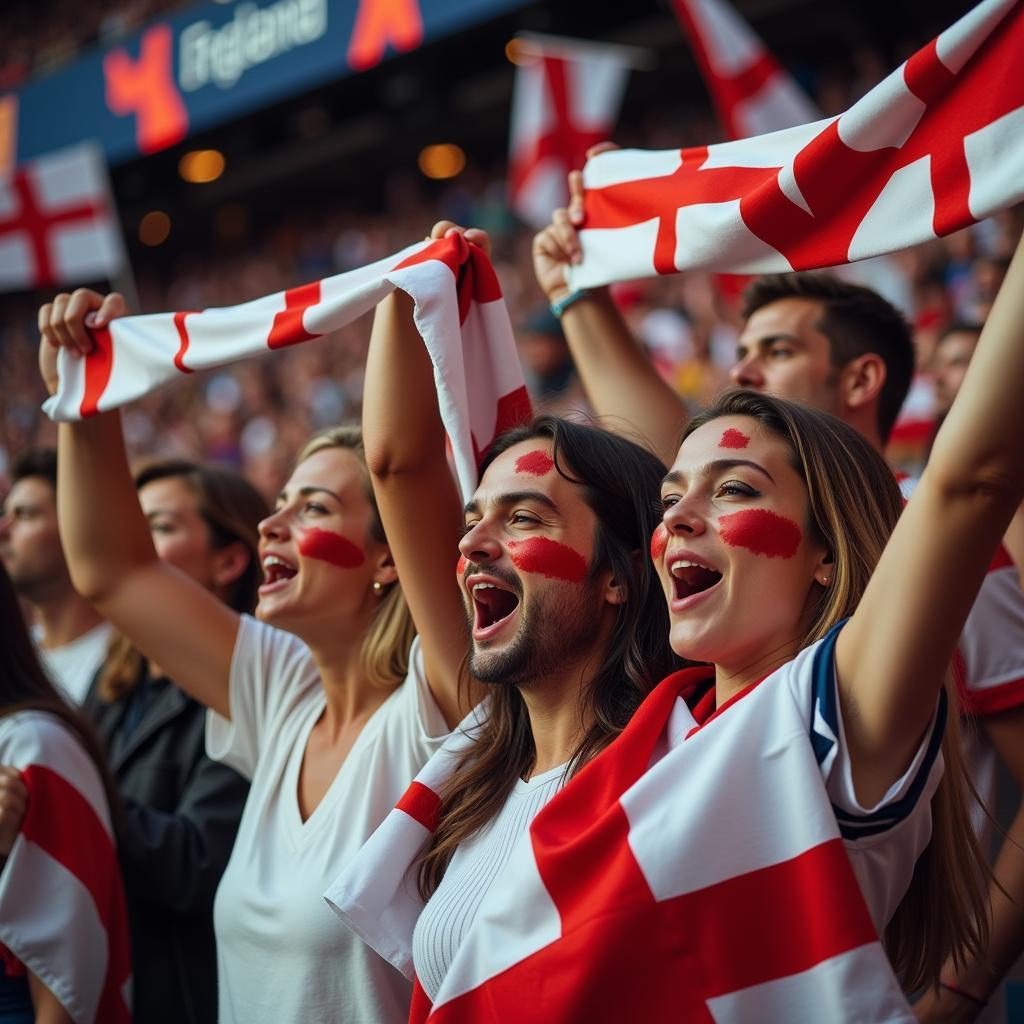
x: 62, y: 908
x: 751, y: 92
x: 566, y: 99
x: 58, y: 225
x: 459, y: 310
x: 693, y: 871
x: 934, y: 147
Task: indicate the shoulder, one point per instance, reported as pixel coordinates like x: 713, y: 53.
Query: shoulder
x: 28, y: 735
x: 261, y: 649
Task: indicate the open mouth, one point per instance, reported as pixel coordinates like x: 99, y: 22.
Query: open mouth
x: 690, y: 577
x: 492, y: 605
x: 277, y: 569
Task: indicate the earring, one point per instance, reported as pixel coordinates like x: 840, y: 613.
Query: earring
x: 824, y: 582
x: 378, y: 587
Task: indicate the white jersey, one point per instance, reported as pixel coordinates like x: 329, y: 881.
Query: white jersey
x: 282, y: 955
x: 73, y: 666
x: 704, y: 865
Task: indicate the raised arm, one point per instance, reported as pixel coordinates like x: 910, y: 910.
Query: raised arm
x: 110, y: 555
x: 892, y: 656
x: 417, y: 495
x: 620, y: 381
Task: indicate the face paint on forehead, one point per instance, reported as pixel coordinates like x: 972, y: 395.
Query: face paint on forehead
x: 326, y: 546
x: 761, y: 531
x: 733, y: 438
x: 548, y: 558
x: 537, y: 463
x: 659, y: 541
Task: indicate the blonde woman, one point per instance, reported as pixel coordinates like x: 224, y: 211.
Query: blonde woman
x: 323, y: 701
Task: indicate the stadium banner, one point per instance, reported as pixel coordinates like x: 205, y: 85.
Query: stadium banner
x: 213, y: 62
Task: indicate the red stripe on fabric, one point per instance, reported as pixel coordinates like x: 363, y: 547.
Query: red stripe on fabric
x: 994, y: 699
x: 287, y: 328
x: 62, y: 823
x: 452, y: 251
x: 1001, y: 560
x: 99, y: 364
x: 420, y: 1007
x: 422, y: 804
x: 183, y: 340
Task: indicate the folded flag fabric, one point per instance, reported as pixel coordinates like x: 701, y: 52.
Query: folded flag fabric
x: 624, y: 902
x: 751, y: 91
x: 934, y: 147
x: 62, y: 909
x: 459, y: 311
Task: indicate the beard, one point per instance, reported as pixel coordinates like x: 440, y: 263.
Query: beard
x: 555, y: 629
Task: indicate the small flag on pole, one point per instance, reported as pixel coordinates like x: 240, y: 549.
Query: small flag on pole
x: 58, y: 222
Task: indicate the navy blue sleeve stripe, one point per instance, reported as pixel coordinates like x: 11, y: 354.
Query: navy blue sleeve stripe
x: 858, y: 826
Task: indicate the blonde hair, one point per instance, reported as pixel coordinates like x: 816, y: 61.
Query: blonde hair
x: 854, y: 503
x: 385, y: 653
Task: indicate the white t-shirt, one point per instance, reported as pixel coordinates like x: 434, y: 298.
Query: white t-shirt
x: 282, y: 954
x: 74, y: 666
x: 473, y: 869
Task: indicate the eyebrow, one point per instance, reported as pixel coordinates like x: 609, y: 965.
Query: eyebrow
x: 765, y: 340
x: 718, y: 466
x: 511, y: 498
x: 305, y: 492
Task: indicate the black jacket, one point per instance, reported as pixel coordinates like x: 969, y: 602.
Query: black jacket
x: 181, y: 812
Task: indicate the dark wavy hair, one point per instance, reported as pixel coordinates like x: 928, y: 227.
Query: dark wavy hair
x: 621, y: 483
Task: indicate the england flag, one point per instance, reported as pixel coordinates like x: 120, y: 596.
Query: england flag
x: 931, y: 149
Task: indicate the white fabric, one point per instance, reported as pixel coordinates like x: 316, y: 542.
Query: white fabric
x: 282, y: 956
x: 73, y: 666
x: 823, y: 194
x: 763, y: 785
x: 473, y: 869
x: 64, y: 939
x: 459, y: 311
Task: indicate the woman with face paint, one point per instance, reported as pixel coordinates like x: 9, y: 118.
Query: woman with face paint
x: 321, y: 701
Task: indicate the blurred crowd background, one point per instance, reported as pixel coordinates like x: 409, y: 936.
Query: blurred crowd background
x: 279, y: 229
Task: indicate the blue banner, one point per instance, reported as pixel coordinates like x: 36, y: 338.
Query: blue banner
x: 215, y: 62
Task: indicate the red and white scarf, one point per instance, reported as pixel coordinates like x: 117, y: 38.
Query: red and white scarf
x: 933, y: 148
x: 459, y: 311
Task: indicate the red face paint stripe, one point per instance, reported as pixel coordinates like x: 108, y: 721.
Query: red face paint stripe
x: 659, y: 541
x: 536, y: 463
x: 762, y: 532
x: 460, y: 566
x: 734, y: 438
x: 330, y: 547
x: 548, y: 558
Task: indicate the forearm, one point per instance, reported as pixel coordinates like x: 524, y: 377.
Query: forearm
x: 621, y: 382
x: 402, y: 429
x: 103, y: 530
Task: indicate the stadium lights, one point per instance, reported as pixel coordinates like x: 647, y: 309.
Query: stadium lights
x: 443, y: 160
x: 201, y: 165
x: 154, y: 228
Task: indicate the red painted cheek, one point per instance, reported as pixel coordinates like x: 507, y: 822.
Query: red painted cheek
x: 733, y: 438
x: 460, y: 567
x: 659, y: 541
x: 762, y: 532
x: 330, y: 547
x: 535, y: 463
x: 548, y: 558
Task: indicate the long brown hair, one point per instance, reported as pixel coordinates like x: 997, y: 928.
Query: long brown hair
x: 620, y: 482
x: 385, y: 653
x: 25, y: 686
x: 232, y: 509
x: 854, y: 503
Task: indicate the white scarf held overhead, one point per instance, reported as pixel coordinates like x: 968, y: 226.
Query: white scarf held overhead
x: 459, y: 311
x: 933, y: 148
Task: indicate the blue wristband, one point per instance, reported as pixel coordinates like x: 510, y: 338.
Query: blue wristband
x: 559, y: 307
